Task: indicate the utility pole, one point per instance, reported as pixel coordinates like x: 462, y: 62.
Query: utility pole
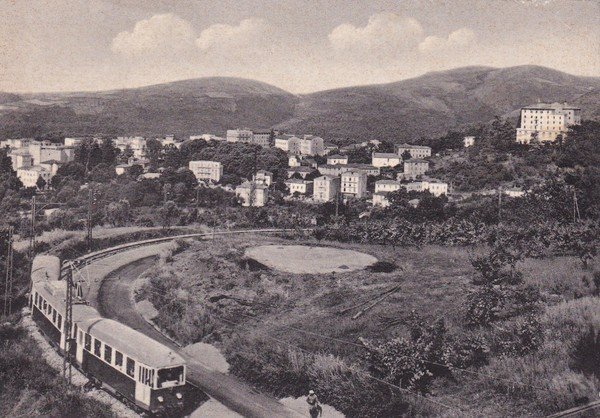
x: 576, y: 215
x: 89, y: 220
x: 32, y: 236
x: 68, y: 357
x: 8, y: 284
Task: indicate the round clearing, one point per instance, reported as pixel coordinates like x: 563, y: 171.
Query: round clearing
x: 305, y: 259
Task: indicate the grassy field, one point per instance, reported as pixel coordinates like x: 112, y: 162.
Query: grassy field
x: 210, y: 292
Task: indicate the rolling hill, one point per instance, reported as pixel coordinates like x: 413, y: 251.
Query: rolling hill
x: 428, y: 105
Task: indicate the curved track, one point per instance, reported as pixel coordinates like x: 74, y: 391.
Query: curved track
x: 114, y: 302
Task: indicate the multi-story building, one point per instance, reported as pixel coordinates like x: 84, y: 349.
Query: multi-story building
x: 251, y: 193
x: 207, y: 137
x: 416, y: 151
x: 262, y: 138
x: 337, y: 159
x: 435, y: 187
x: 30, y: 175
x: 354, y: 183
x: 469, y: 141
x: 326, y: 188
x: 387, y: 186
x: 288, y: 143
x: 545, y: 122
x: 294, y: 161
x: 207, y: 170
x: 338, y: 169
x: 312, y: 145
x: 264, y: 177
x: 303, y: 187
x: 239, y: 135
x: 137, y: 144
x: 20, y: 158
x: 413, y: 168
x: 384, y: 159
x: 43, y: 151
x: 73, y: 142
x: 17, y: 143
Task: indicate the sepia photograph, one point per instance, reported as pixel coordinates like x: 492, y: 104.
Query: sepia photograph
x: 299, y: 208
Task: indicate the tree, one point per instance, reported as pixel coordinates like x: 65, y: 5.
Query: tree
x: 168, y: 214
x: 406, y: 155
x: 153, y: 151
x: 40, y: 183
x: 118, y: 213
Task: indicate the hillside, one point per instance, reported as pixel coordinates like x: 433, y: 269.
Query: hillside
x: 182, y: 108
x: 427, y: 106
x: 436, y: 102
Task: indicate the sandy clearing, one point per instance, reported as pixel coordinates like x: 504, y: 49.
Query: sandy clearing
x: 304, y: 259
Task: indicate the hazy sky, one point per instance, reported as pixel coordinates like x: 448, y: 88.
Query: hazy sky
x: 298, y: 45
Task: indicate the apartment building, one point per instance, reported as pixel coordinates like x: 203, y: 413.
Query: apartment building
x: 206, y: 170
x: 17, y: 143
x: 262, y: 138
x: 416, y: 151
x: 288, y: 143
x: 546, y: 121
x: 380, y: 199
x: 312, y: 145
x: 435, y: 187
x: 384, y: 159
x: 264, y: 177
x: 413, y: 169
x: 30, y: 175
x: 387, y: 186
x: 326, y: 188
x: 354, y: 183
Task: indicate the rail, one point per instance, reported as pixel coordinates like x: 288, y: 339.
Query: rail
x: 573, y: 412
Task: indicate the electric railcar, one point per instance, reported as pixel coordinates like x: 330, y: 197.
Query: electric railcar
x: 134, y: 367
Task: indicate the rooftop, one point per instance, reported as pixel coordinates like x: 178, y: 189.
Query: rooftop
x: 387, y: 182
x: 385, y: 155
x: 413, y: 146
x: 301, y: 169
x: 337, y: 156
x: 416, y: 161
x: 297, y: 181
x: 249, y: 185
x: 551, y: 106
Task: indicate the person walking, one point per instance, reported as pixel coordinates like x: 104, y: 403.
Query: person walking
x: 314, y: 407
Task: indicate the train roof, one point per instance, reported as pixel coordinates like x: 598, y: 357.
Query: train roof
x: 54, y: 291
x: 45, y: 267
x: 132, y: 343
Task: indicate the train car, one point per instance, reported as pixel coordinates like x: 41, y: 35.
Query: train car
x: 144, y: 373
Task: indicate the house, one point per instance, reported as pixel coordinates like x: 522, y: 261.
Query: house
x: 302, y: 171
x: 252, y: 194
x: 44, y: 151
x: 294, y: 161
x: 170, y: 140
x: 51, y: 166
x: 206, y: 170
x: 415, y: 151
x: 239, y: 135
x: 413, y: 169
x: 312, y: 145
x: 365, y: 168
x: 384, y: 159
x: 545, y: 122
x: 150, y: 176
x: 18, y: 143
x: 303, y: 187
x: 338, y: 169
x: 20, y: 158
x: 514, y: 192
x: 354, y: 183
x: 121, y: 169
x: 387, y: 186
x: 137, y: 144
x: 380, y: 199
x: 288, y: 143
x: 264, y: 177
x: 435, y: 187
x: 326, y: 188
x: 337, y: 159
x: 30, y: 175
x: 207, y: 137
x: 469, y: 141
x: 73, y: 142
x: 262, y: 138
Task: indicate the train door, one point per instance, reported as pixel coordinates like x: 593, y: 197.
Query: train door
x: 142, y: 386
x: 80, y: 343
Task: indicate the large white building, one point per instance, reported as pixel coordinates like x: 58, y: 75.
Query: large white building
x: 384, y: 186
x: 413, y: 169
x: 312, y: 145
x: 137, y: 144
x: 206, y: 170
x: 546, y: 121
x: 384, y: 159
x: 288, y: 143
x: 299, y: 186
x: 262, y: 138
x: 30, y: 175
x: 435, y: 187
x: 337, y: 159
x: 326, y: 188
x: 354, y: 183
x: 264, y: 177
x: 416, y: 151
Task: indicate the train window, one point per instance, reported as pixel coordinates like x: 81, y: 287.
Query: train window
x: 118, y: 359
x: 88, y: 342
x: 130, y: 367
x: 150, y: 381
x: 170, y: 377
x: 44, y: 305
x: 80, y: 337
x: 35, y: 298
x: 54, y: 316
x: 108, y: 353
x: 97, y: 347
x: 59, y: 321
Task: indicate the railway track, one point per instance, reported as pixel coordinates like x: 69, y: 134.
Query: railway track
x: 591, y: 409
x: 226, y: 389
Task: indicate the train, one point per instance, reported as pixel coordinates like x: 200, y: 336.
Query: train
x: 145, y: 374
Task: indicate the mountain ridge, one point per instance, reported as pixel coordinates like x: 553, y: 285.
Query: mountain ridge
x: 427, y: 105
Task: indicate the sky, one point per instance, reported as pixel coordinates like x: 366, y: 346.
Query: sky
x: 298, y: 45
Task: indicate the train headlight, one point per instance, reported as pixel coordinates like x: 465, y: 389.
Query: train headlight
x: 160, y: 399
x: 178, y: 395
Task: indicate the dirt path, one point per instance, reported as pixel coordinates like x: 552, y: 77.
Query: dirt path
x: 114, y: 301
